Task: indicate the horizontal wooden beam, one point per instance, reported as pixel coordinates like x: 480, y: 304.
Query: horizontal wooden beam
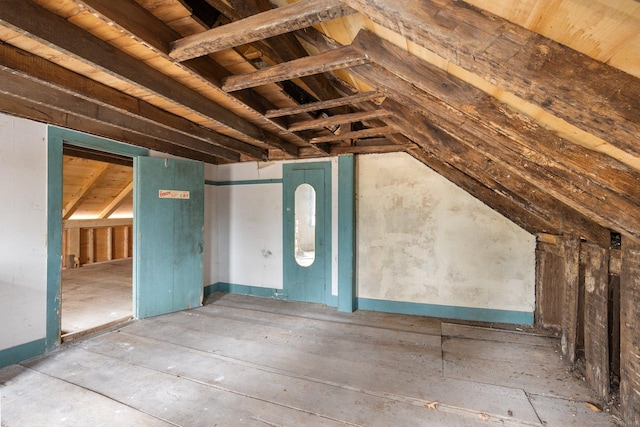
x: 338, y: 59
x: 364, y: 133
x: 37, y: 23
x: 132, y: 19
x: 47, y: 73
x: 32, y: 110
x: 338, y: 120
x: 96, y: 223
x: 304, y: 13
x: 16, y: 85
x: 368, y: 149
x: 324, y: 105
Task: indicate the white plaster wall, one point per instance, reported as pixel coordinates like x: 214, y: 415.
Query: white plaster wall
x: 422, y: 239
x: 249, y: 225
x: 23, y: 231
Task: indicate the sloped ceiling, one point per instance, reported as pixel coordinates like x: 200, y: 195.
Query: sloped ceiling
x: 532, y: 106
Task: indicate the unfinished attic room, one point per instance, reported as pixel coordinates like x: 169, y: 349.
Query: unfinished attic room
x: 320, y: 213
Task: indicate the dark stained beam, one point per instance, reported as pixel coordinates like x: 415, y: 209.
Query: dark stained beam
x: 18, y: 86
x: 324, y: 105
x: 334, y: 60
x: 586, y: 93
x: 142, y: 26
x: 35, y: 22
x: 42, y: 71
x: 346, y: 136
x: 31, y: 110
x: 542, y: 168
x: 100, y: 156
x: 338, y: 120
x: 304, y: 13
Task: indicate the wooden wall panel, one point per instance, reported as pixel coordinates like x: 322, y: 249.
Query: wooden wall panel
x: 549, y: 285
x: 630, y: 332
x: 571, y: 256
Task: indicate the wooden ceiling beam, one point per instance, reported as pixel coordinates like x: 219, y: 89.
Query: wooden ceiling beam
x: 589, y: 95
x: 363, y: 133
x: 324, y: 105
x: 304, y: 13
x: 282, y: 48
x: 334, y: 60
x: 142, y: 26
x: 72, y: 205
x: 35, y: 111
x: 16, y: 85
x: 518, y: 199
x: 35, y: 22
x: 48, y: 73
x: 339, y: 120
x: 593, y: 170
x: 580, y: 192
x: 116, y: 202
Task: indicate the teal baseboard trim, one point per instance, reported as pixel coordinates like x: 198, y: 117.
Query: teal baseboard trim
x: 231, y: 288
x: 22, y: 352
x: 243, y: 290
x: 243, y: 182
x: 447, y: 311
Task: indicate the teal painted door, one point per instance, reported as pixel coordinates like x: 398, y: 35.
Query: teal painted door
x: 168, y: 221
x: 307, y: 266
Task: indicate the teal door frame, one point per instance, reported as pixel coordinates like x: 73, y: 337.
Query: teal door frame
x: 323, y: 240
x: 56, y: 137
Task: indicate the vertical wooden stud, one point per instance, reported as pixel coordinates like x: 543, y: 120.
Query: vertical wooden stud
x: 109, y: 243
x: 571, y: 256
x: 596, y: 333
x: 630, y: 332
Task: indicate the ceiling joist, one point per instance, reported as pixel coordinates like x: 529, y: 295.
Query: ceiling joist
x: 324, y: 105
x: 331, y: 121
x: 302, y: 14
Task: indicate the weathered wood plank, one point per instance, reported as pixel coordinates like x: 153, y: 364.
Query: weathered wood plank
x: 371, y: 149
x: 30, y: 110
x: 36, y: 68
x: 266, y: 24
x: 630, y: 331
x: 15, y: 85
x: 321, y: 105
x: 571, y: 258
x: 338, y: 59
x: 586, y: 93
x: 338, y: 120
x: 364, y: 133
x: 596, y: 330
x: 35, y: 22
x: 132, y: 19
x: 549, y: 286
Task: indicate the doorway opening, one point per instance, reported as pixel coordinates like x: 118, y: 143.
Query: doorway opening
x: 97, y: 240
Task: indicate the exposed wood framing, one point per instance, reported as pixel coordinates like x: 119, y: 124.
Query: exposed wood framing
x: 364, y: 133
x: 116, y: 202
x: 629, y: 331
x: 334, y: 60
x: 281, y: 20
x: 322, y: 105
x: 89, y: 182
x: 524, y: 63
x: 571, y: 256
x: 596, y: 330
x: 338, y: 120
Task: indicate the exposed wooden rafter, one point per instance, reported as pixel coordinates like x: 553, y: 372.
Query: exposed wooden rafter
x: 323, y: 105
x: 304, y: 13
x: 116, y: 202
x: 338, y: 120
x: 335, y: 60
x: 345, y: 136
x: 83, y: 192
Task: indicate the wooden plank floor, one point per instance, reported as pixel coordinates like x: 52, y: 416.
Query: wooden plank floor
x: 96, y: 295
x: 243, y: 360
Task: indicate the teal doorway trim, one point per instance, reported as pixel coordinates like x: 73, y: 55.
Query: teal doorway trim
x: 56, y: 137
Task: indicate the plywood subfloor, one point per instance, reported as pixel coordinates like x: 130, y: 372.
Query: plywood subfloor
x: 243, y: 360
x: 95, y: 295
